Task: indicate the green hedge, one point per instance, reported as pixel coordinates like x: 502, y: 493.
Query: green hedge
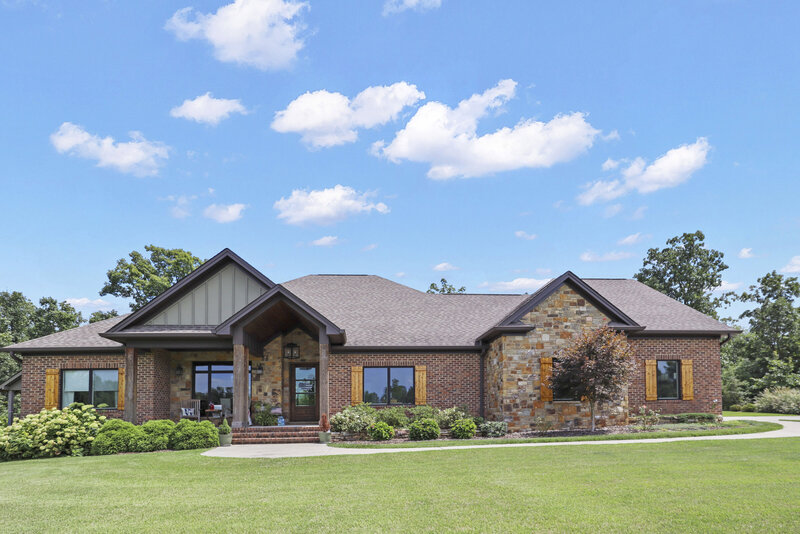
x: 189, y: 434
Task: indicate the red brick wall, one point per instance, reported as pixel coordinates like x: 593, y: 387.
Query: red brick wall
x: 34, y: 370
x: 152, y: 383
x: 707, y: 373
x: 452, y: 379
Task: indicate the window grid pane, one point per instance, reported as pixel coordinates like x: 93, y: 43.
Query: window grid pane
x: 389, y: 385
x: 668, y: 379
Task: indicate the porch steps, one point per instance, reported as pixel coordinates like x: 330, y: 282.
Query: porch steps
x: 276, y: 434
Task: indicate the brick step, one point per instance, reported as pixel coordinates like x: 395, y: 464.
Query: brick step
x: 265, y: 441
x: 306, y: 434
x: 270, y: 429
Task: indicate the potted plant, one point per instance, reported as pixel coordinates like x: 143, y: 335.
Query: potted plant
x: 325, y: 429
x: 225, y: 436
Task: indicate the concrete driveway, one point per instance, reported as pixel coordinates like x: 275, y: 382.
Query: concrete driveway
x: 791, y: 429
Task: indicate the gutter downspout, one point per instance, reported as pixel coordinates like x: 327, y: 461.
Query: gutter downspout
x: 15, y: 357
x: 482, y: 389
x: 727, y: 338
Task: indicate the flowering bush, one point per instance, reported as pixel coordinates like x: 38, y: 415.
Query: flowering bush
x: 647, y: 419
x: 355, y: 419
x: 448, y: 416
x: 423, y: 411
x: 394, y: 416
x: 463, y: 429
x: 380, y: 431
x: 68, y: 432
x: 779, y: 400
x: 494, y: 429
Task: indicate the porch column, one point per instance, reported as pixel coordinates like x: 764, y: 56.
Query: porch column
x: 324, y: 390
x: 241, y: 399
x: 10, y: 407
x: 131, y: 361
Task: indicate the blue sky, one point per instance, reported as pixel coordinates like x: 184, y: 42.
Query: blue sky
x: 591, y: 123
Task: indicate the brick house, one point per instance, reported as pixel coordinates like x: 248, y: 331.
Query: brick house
x: 227, y: 335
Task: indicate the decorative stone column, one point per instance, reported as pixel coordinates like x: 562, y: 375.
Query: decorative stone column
x: 131, y: 363
x: 241, y: 398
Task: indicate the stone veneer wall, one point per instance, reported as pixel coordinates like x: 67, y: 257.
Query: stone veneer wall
x: 706, y: 371
x: 513, y: 388
x: 453, y: 379
x: 270, y: 386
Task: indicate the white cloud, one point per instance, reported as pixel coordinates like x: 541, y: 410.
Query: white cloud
x: 793, y: 266
x: 446, y: 138
x: 260, y: 33
x: 608, y: 256
x: 371, y: 246
x: 207, y: 109
x: 610, y: 164
x: 517, y: 285
x: 326, y: 206
x: 396, y: 6
x: 139, y: 156
x: 669, y: 170
x: 522, y: 234
x: 612, y: 210
x: 224, y: 213
x: 746, y: 253
x: 84, y: 303
x: 326, y: 119
x: 639, y: 213
x: 181, y: 207
x: 444, y: 266
x: 632, y: 239
x: 544, y: 271
x: 326, y: 241
x: 400, y: 274
x: 727, y: 286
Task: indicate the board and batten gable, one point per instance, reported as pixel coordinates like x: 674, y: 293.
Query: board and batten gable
x: 213, y: 301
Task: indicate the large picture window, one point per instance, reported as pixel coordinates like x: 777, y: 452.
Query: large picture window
x: 99, y: 387
x: 389, y: 385
x: 213, y: 383
x: 668, y: 379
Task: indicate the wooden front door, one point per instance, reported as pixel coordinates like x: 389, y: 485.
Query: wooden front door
x: 304, y: 398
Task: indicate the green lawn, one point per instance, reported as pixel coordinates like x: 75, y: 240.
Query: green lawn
x: 664, y: 431
x: 756, y: 414
x: 728, y: 485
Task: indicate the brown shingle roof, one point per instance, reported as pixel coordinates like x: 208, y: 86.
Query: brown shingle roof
x: 376, y: 312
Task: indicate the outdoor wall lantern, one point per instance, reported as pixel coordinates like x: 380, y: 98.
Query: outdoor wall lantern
x: 259, y: 369
x: 179, y: 370
x: 291, y: 351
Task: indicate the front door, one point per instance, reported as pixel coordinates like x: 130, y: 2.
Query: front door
x: 304, y: 400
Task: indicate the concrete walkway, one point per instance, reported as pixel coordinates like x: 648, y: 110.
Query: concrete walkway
x: 791, y: 429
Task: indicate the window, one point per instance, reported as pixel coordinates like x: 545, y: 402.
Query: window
x: 98, y: 387
x: 564, y: 394
x: 213, y: 383
x: 389, y: 385
x: 668, y: 374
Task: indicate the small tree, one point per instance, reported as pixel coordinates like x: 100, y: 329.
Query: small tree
x: 445, y: 288
x: 596, y: 367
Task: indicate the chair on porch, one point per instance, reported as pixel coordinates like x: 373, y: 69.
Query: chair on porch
x: 190, y: 409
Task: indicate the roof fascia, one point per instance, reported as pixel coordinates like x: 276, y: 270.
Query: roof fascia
x: 166, y: 298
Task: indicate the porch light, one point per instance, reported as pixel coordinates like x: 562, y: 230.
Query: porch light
x: 179, y: 370
x: 291, y: 351
x: 259, y: 369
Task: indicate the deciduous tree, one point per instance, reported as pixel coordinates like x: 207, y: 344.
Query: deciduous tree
x: 445, y: 288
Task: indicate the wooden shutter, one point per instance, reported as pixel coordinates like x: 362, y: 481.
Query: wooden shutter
x: 51, y: 389
x: 545, y: 372
x: 356, y: 385
x: 687, y: 380
x: 650, y: 381
x: 420, y: 385
x: 121, y: 390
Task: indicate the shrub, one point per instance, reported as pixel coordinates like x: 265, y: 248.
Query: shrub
x: 695, y: 418
x: 735, y: 407
x: 120, y: 436
x: 478, y: 421
x: 189, y: 434
x: 779, y: 400
x: 355, y: 419
x: 66, y: 432
x: 749, y: 407
x: 394, y: 416
x: 224, y: 429
x: 541, y: 424
x: 448, y: 416
x: 423, y: 429
x: 463, y: 429
x: 494, y: 429
x: 262, y: 414
x: 380, y: 431
x: 158, y: 432
x: 423, y: 412
x: 647, y: 419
